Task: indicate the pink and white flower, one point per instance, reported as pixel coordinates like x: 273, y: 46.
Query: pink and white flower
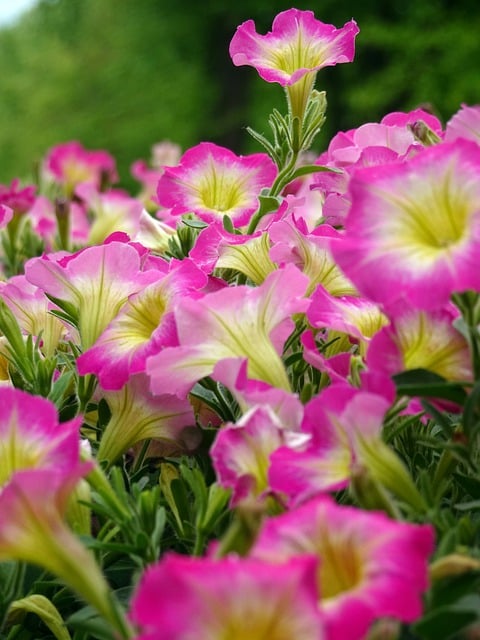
x: 184, y: 597
x: 297, y: 45
x: 235, y: 322
x: 212, y: 182
x: 370, y: 566
x: 413, y: 230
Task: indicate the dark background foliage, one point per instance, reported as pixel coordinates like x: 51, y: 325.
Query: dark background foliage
x: 122, y: 75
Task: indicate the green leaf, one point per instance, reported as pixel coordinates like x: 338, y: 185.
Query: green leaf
x: 449, y: 621
x: 424, y: 383
x: 44, y: 609
x: 307, y: 169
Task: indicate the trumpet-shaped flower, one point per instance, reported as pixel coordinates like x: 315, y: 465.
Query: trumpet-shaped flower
x: 297, y: 45
x: 249, y: 254
x: 18, y: 199
x: 31, y: 436
x: 235, y: 322
x: 70, y: 165
x: 96, y: 281
x: 310, y: 252
x: 144, y: 325
x: 31, y: 308
x: 234, y: 598
x: 413, y: 230
x: 111, y: 211
x: 212, y: 182
x: 422, y: 340
x: 241, y: 453
x: 356, y: 316
x: 338, y: 420
x: 36, y: 501
x: 370, y: 566
x: 137, y: 414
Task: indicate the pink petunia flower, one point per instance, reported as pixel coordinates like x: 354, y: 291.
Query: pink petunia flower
x: 212, y: 182
x: 235, y: 322
x: 16, y: 198
x: 96, y: 281
x: 420, y: 339
x: 137, y: 414
x: 413, y: 230
x: 297, y: 45
x: 370, y: 566
x: 70, y: 164
x: 31, y: 309
x: 184, y: 597
x: 343, y: 424
x: 142, y: 327
x: 241, y: 453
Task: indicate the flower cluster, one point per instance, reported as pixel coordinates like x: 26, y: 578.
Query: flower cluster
x: 244, y: 402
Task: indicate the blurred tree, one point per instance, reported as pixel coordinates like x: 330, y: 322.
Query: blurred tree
x: 121, y: 75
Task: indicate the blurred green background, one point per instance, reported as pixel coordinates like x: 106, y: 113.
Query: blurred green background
x: 124, y: 74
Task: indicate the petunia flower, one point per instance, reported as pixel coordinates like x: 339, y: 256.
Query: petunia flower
x: 185, y: 597
x: 70, y: 164
x: 235, y: 322
x: 20, y: 200
x: 343, y: 424
x: 311, y: 253
x: 31, y: 436
x: 356, y: 316
x: 422, y: 339
x: 413, y: 230
x: 241, y: 453
x: 31, y: 309
x: 96, y: 281
x: 213, y: 182
x: 296, y: 48
x: 370, y: 566
x: 137, y: 414
x: 143, y: 325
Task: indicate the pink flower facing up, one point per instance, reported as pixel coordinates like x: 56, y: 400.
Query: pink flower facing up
x: 370, y: 566
x: 96, y: 281
x: 142, y: 327
x: 413, y: 231
x: 235, y: 598
x: 136, y: 415
x: 235, y: 322
x: 212, y: 182
x: 292, y: 53
x: 70, y: 164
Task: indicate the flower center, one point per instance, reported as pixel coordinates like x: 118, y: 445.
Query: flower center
x: 220, y: 190
x: 15, y: 454
x: 341, y: 566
